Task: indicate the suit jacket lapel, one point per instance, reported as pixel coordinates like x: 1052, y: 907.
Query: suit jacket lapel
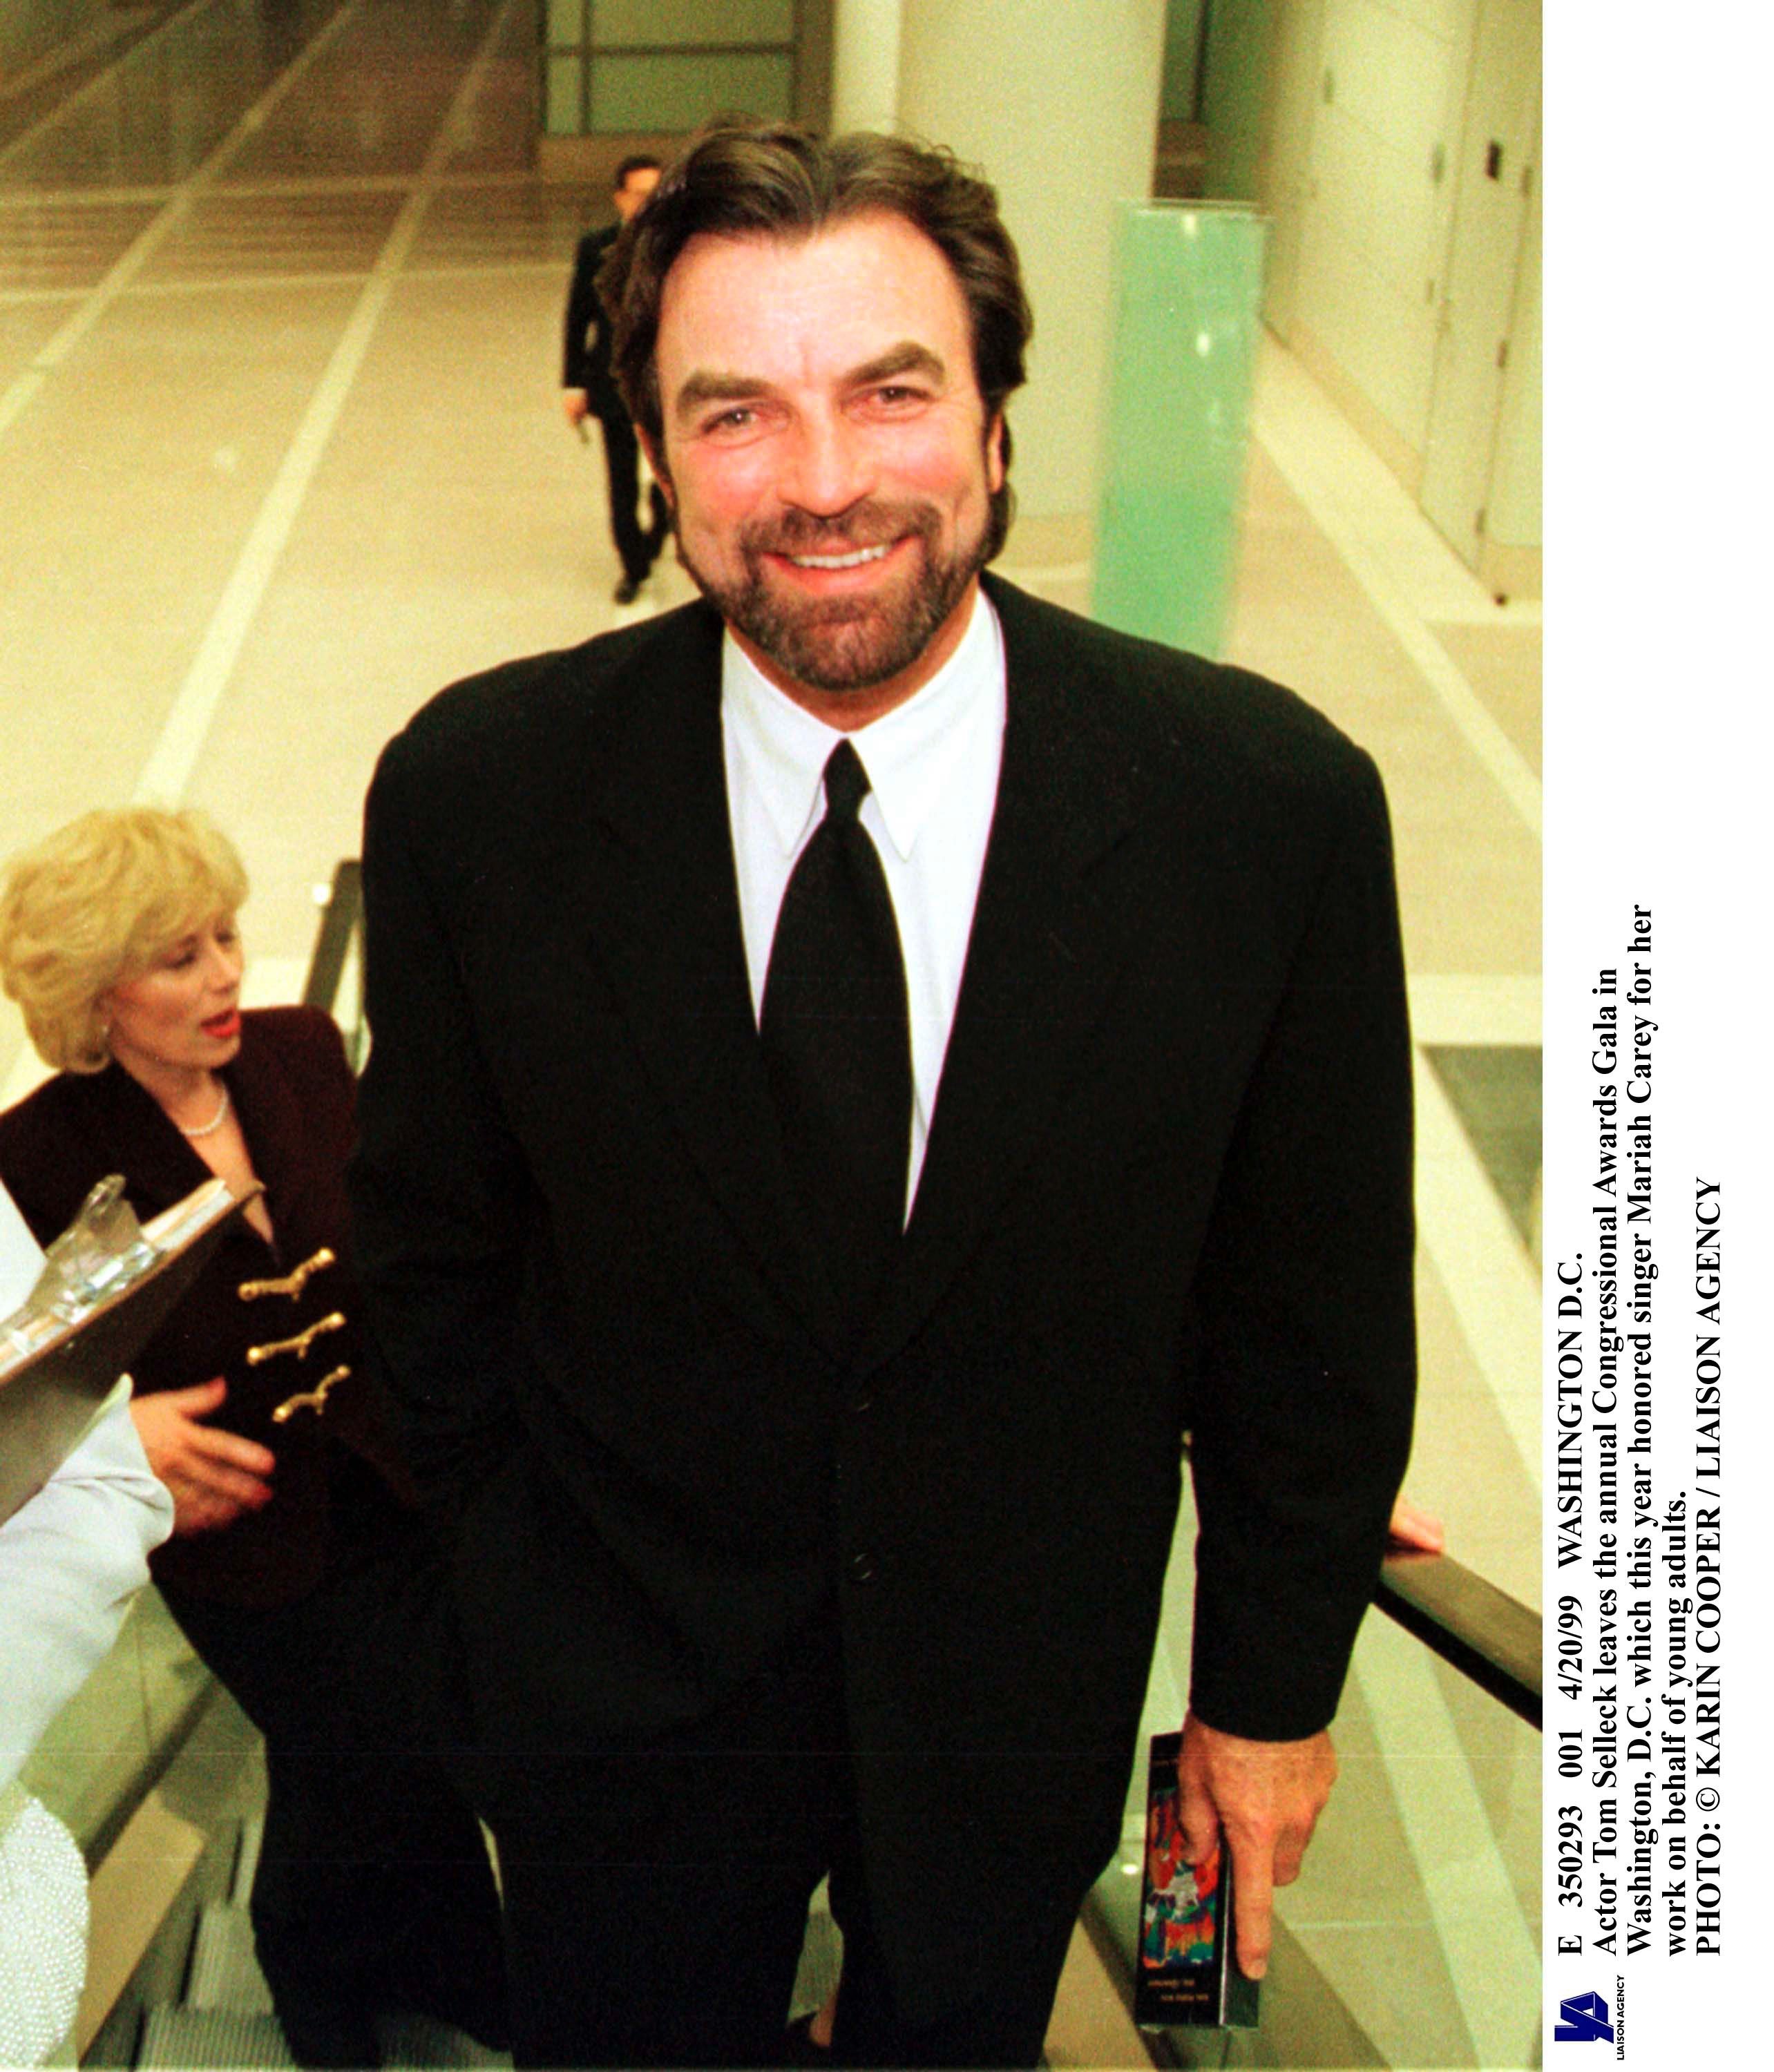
x: 662, y: 903
x: 1053, y: 926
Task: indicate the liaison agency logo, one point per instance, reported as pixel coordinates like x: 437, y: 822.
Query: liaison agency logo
x: 1587, y: 2018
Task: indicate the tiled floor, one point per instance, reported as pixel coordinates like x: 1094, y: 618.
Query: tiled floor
x: 280, y: 453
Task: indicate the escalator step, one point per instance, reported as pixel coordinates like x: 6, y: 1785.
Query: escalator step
x: 194, y: 2039
x: 189, y: 2039
x: 413, y: 2040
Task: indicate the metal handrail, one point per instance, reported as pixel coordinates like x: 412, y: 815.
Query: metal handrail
x: 340, y: 919
x: 1487, y: 1635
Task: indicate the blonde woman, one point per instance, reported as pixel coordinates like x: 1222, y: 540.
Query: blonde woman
x: 296, y: 1569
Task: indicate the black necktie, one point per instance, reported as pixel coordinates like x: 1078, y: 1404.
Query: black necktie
x: 836, y: 1046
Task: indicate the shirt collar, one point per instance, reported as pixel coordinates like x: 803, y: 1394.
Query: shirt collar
x: 908, y: 753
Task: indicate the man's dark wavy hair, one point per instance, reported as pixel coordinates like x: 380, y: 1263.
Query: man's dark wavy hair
x: 773, y: 180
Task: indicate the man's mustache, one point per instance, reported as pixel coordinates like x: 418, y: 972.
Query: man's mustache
x: 870, y: 523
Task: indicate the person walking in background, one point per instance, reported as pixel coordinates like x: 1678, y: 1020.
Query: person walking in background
x: 588, y: 389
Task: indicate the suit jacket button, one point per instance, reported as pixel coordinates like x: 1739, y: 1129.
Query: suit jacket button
x: 861, y: 1568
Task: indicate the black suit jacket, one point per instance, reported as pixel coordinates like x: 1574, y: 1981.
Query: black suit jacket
x: 293, y: 1090
x: 1167, y: 1186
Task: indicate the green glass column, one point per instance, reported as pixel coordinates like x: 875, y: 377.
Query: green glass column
x: 1188, y: 292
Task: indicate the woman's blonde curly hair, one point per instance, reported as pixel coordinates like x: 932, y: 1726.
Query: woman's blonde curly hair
x: 97, y: 903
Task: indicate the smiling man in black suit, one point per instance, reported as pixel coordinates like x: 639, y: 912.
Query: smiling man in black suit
x: 861, y: 1065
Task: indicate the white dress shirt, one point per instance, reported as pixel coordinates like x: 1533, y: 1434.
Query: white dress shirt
x: 932, y: 766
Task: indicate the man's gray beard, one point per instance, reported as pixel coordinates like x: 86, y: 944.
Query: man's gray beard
x: 847, y: 644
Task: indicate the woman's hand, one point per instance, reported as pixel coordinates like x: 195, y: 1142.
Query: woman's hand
x: 214, y: 1476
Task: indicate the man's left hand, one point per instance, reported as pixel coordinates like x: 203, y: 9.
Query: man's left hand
x: 1267, y: 1795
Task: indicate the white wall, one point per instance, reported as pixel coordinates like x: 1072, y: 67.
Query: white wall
x: 1368, y: 105
x: 1515, y: 507
x: 1375, y: 233
x: 1059, y: 104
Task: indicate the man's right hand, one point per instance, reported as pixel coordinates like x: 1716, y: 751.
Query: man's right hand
x: 576, y: 404
x: 1267, y: 1795
x: 214, y: 1476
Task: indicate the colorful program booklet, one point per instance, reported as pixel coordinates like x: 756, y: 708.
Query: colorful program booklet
x: 1187, y: 1972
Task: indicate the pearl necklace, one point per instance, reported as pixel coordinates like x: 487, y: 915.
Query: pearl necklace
x: 210, y: 1128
